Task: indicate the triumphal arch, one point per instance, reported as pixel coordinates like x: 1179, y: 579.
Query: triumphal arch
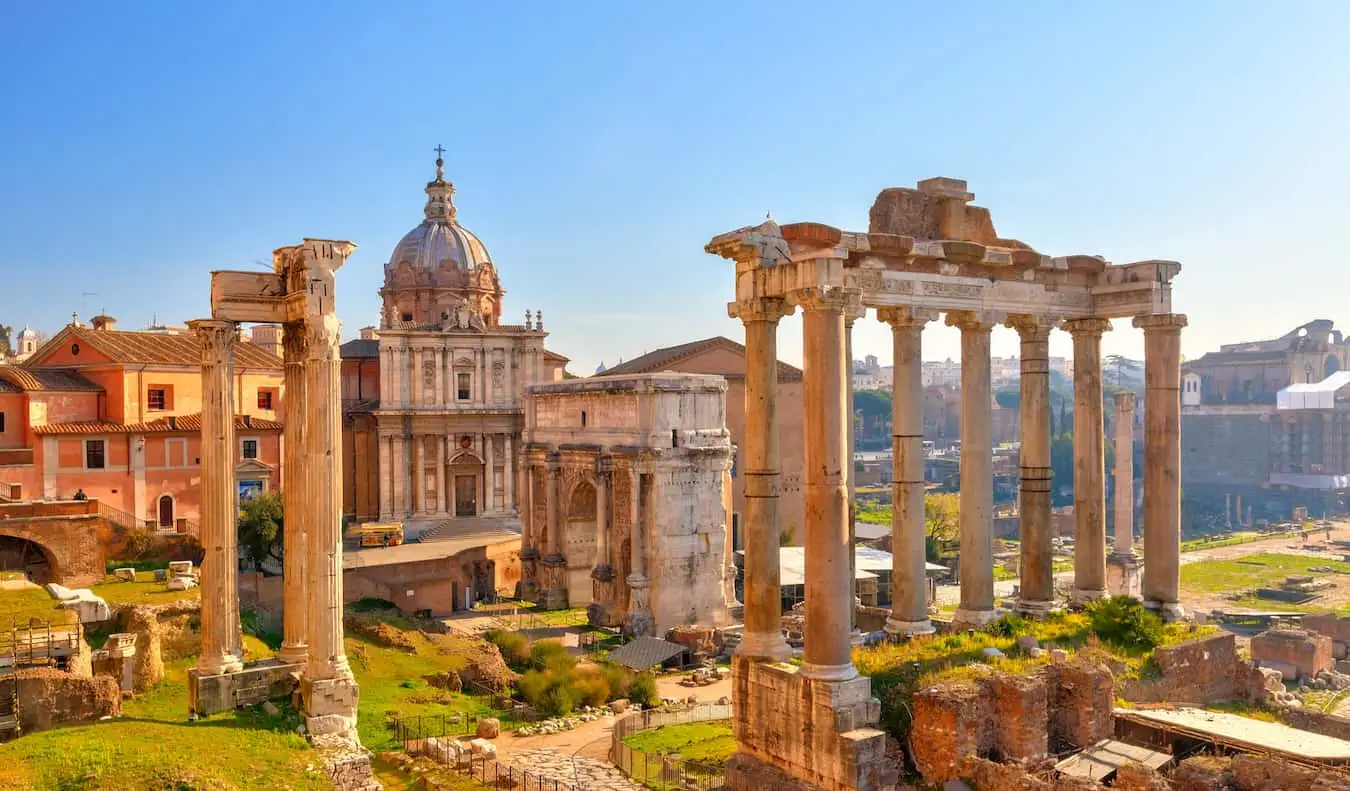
x: 298, y: 295
x: 927, y: 251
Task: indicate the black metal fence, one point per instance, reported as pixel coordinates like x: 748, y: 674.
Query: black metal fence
x: 661, y: 771
x: 438, y: 738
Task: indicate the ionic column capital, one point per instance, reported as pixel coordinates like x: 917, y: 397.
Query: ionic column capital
x: 769, y: 309
x: 828, y: 299
x: 906, y: 317
x: 1161, y: 323
x: 1088, y: 326
x: 974, y: 320
x: 1033, y: 328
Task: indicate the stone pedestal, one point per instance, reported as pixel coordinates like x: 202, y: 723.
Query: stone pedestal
x: 553, y: 596
x: 603, y: 611
x: 802, y: 734
x: 1123, y: 574
x: 639, y: 622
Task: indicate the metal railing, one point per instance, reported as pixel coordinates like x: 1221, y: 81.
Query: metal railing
x: 664, y: 770
x: 119, y: 517
x: 438, y: 738
x: 655, y: 718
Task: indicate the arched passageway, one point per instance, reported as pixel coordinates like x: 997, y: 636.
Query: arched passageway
x: 27, y: 557
x: 579, y: 539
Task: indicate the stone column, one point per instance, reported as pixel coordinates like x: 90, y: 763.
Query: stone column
x: 296, y: 499
x: 327, y: 689
x: 1089, y: 461
x: 222, y: 641
x: 602, y: 476
x: 554, y: 595
x: 419, y: 474
x: 909, y: 575
x: 418, y: 396
x: 441, y: 504
x: 602, y: 604
x: 385, y: 477
x: 438, y: 355
x: 509, y: 466
x: 639, y: 622
x: 977, y: 477
x: 399, y: 475
x: 489, y: 473
x: 829, y: 600
x: 1162, y: 462
x: 763, y: 635
x: 852, y: 312
x: 1037, y: 588
x: 1122, y: 566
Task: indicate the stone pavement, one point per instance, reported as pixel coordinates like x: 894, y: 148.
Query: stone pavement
x: 573, y: 773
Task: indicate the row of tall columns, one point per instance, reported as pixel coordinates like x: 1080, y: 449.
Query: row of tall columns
x: 1162, y: 461
x: 1037, y: 591
x: 1089, y: 470
x: 222, y: 640
x: 909, y: 577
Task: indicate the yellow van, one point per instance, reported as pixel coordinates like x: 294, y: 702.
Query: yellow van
x: 380, y: 534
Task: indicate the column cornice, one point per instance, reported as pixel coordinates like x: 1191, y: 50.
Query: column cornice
x: 1161, y: 322
x: 1087, y: 326
x: 906, y: 317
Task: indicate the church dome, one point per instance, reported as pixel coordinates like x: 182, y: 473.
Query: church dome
x: 440, y: 238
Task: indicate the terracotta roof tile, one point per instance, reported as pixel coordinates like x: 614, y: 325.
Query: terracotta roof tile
x: 179, y: 424
x: 360, y: 348
x: 661, y: 359
x: 162, y: 348
x: 58, y: 380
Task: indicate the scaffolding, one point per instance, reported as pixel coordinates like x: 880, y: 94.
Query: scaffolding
x: 35, y: 644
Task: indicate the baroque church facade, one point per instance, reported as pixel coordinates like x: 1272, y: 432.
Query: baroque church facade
x: 433, y: 399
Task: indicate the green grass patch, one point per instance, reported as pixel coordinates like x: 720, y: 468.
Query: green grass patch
x: 1263, y: 570
x: 710, y: 743
x: 1242, y: 537
x: 145, y: 590
x: 19, y: 606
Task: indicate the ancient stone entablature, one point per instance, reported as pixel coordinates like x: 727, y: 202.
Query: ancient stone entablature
x: 627, y: 486
x: 926, y: 252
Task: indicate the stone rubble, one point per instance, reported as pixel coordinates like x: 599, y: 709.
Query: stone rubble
x: 572, y: 773
x: 560, y: 724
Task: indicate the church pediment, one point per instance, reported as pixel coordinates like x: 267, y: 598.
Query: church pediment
x: 252, y: 467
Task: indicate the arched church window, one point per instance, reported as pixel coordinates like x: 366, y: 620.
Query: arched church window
x: 463, y: 386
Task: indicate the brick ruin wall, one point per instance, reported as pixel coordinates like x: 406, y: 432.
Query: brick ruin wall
x: 1010, y: 717
x: 1199, y: 671
x: 48, y: 698
x: 163, y: 632
x: 1296, y: 653
x: 1252, y: 773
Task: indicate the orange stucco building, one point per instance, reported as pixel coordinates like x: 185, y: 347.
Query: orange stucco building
x: 117, y: 415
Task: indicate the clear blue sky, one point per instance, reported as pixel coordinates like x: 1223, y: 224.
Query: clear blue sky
x: 597, y: 146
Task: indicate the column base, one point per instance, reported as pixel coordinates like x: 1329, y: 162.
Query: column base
x: 604, y: 614
x: 974, y: 618
x: 1169, y: 611
x: 529, y: 590
x: 329, y: 707
x: 844, y: 672
x: 1085, y: 595
x: 855, y: 637
x: 219, y: 665
x: 764, y: 645
x: 1123, y: 574
x: 553, y: 598
x: 1035, y: 608
x: 898, y: 628
x: 640, y: 624
x: 293, y: 654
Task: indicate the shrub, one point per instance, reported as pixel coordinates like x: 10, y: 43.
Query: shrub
x: 558, y: 701
x: 1009, y: 625
x: 589, y: 686
x: 551, y: 655
x: 1123, y: 622
x: 618, y: 678
x: 532, y: 685
x: 643, y: 690
x: 371, y: 604
x: 515, y: 647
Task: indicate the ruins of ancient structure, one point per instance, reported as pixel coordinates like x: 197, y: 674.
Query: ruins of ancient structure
x: 299, y: 295
x: 927, y: 251
x: 625, y: 511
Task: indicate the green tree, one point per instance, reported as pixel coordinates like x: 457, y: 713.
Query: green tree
x: 1008, y: 398
x: 942, y: 515
x: 260, y: 528
x: 873, y: 404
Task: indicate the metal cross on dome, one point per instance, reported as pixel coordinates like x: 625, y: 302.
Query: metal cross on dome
x: 440, y: 150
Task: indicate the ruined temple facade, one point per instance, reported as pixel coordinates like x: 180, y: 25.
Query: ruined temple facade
x: 433, y: 399
x: 927, y: 251
x: 625, y: 511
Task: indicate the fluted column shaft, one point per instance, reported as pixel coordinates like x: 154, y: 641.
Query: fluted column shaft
x: 441, y: 499
x: 554, y: 543
x: 829, y: 583
x: 602, y: 485
x: 909, y: 576
x: 1089, y: 461
x: 763, y: 635
x: 852, y: 312
x: 1162, y: 461
x: 1037, y: 586
x: 222, y: 642
x: 977, y: 481
x: 489, y: 473
x: 295, y: 495
x: 419, y: 473
x: 323, y: 433
x: 385, y: 476
x: 1124, y: 473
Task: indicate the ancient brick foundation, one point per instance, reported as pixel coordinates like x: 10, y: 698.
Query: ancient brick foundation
x: 1252, y: 773
x: 801, y: 734
x: 1296, y: 653
x: 1198, y: 672
x: 350, y: 770
x: 48, y: 698
x: 1010, y: 717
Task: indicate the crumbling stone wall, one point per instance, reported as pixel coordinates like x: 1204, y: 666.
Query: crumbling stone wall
x: 1068, y: 704
x: 163, y: 632
x: 1296, y: 653
x: 1197, y: 671
x: 1083, y: 698
x: 48, y: 698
